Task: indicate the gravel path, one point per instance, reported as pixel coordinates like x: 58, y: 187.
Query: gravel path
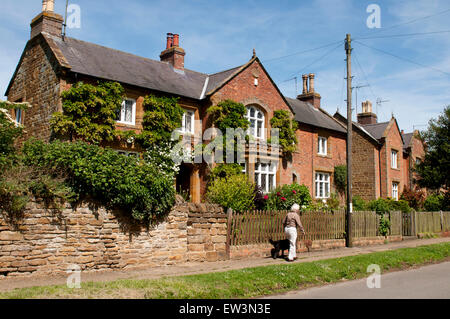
x: 7, y: 284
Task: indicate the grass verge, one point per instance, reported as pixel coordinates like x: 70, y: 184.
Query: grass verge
x: 246, y: 283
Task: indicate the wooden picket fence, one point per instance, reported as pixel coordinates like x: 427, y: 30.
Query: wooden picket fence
x: 257, y: 227
x: 433, y: 222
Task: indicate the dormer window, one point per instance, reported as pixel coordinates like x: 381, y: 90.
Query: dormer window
x: 127, y: 114
x: 256, y: 119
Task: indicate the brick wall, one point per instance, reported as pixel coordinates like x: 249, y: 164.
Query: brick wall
x: 392, y: 141
x: 306, y: 161
x: 95, y: 239
x: 37, y: 82
x: 364, y: 166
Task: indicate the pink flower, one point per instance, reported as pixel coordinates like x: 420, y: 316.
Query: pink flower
x: 266, y: 197
x: 294, y: 191
x: 283, y: 199
x: 278, y: 194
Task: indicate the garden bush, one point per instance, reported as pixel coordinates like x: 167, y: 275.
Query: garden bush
x: 117, y: 181
x: 236, y: 192
x: 383, y: 205
x: 414, y: 197
x: 359, y: 204
x: 434, y: 203
x: 283, y: 197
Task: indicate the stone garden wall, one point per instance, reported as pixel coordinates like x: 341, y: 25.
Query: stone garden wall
x: 47, y: 242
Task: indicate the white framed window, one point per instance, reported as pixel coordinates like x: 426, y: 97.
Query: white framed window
x: 395, y: 190
x: 188, y: 121
x: 418, y: 161
x: 127, y: 114
x: 322, y: 146
x: 322, y: 185
x: 394, y: 158
x: 244, y: 167
x: 256, y: 118
x: 19, y: 116
x: 266, y: 176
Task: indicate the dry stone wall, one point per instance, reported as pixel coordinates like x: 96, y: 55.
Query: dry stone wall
x: 93, y: 238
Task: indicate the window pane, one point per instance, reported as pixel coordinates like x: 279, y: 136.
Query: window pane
x: 252, y: 112
x: 257, y: 179
x: 271, y: 182
x: 259, y: 130
x: 260, y: 115
x: 264, y: 182
x: 188, y: 122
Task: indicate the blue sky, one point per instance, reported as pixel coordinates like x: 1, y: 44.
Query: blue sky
x: 218, y: 35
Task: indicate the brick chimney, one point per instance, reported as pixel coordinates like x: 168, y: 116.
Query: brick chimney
x: 47, y: 21
x: 173, y: 54
x: 309, y: 94
x: 367, y: 116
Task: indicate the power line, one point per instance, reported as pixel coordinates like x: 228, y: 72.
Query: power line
x: 364, y: 75
x: 315, y: 61
x: 302, y: 52
x: 403, y: 59
x: 404, y: 35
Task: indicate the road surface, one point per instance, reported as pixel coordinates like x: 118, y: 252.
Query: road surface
x: 429, y: 282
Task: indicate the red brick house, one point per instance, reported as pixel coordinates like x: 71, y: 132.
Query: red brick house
x: 51, y: 63
x: 381, y: 156
x: 413, y: 154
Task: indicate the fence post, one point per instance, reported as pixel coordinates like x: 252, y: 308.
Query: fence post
x: 442, y: 221
x: 228, y: 244
x: 415, y: 223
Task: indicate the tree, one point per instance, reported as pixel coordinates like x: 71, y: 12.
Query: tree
x: 434, y: 169
x: 89, y: 112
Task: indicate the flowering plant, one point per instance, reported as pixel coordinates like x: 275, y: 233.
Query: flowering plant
x: 283, y: 197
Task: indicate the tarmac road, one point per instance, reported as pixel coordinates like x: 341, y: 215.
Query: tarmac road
x: 429, y: 282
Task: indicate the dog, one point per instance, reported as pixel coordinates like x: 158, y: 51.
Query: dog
x: 280, y: 245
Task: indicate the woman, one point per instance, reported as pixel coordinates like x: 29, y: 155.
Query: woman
x: 290, y: 223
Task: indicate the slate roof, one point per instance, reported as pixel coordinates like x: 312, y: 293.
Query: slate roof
x: 306, y: 113
x: 407, y: 140
x: 105, y: 63
x: 376, y: 130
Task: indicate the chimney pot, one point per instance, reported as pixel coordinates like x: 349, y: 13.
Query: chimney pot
x: 169, y: 40
x: 176, y: 40
x: 305, y: 83
x: 311, y: 83
x: 48, y: 5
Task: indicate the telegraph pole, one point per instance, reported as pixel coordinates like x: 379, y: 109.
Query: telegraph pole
x: 348, y: 51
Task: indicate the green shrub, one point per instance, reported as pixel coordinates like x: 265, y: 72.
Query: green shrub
x: 359, y: 204
x: 235, y: 192
x: 283, y: 197
x: 117, y: 181
x: 340, y: 178
x: 384, y: 227
x: 434, y: 203
x: 382, y: 205
x: 225, y: 170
